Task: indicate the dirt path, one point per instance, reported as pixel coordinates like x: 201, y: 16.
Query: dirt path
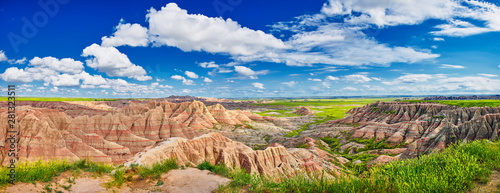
x: 491, y: 186
x: 181, y: 181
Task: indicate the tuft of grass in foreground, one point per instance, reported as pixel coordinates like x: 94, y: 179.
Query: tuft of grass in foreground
x: 453, y: 170
x: 220, y: 169
x: 45, y: 170
x: 154, y: 171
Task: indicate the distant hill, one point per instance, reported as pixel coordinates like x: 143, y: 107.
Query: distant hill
x: 473, y: 97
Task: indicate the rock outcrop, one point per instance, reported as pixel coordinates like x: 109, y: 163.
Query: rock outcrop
x: 424, y: 126
x: 111, y: 137
x: 217, y: 149
x: 304, y: 111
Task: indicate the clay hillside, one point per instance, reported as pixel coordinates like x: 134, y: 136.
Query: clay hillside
x: 145, y: 133
x: 426, y: 127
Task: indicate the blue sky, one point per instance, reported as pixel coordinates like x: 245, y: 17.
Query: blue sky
x: 242, y: 48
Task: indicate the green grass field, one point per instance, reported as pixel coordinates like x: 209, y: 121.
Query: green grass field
x: 58, y: 99
x: 323, y: 102
x: 324, y: 109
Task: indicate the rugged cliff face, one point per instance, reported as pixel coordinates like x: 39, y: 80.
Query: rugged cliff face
x: 215, y: 148
x: 424, y: 126
x: 114, y: 136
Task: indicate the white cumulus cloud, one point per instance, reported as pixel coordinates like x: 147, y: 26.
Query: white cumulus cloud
x: 211, y: 64
x: 290, y: 84
x: 112, y: 62
x: 331, y: 78
x: 127, y: 34
x: 184, y: 80
x: 3, y: 57
x: 258, y: 85
x: 247, y: 72
x: 65, y: 65
x: 191, y: 74
x: 356, y: 78
x: 173, y: 26
x: 207, y: 80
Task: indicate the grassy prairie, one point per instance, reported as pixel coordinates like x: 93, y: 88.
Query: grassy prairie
x: 462, y: 103
x: 324, y: 109
x: 322, y: 102
x: 57, y: 99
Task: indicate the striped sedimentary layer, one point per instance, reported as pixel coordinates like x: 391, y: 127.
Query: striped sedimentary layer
x: 424, y: 126
x: 112, y: 137
x: 274, y: 160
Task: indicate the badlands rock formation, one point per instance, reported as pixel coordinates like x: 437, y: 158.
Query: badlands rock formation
x: 217, y: 149
x: 424, y: 126
x: 304, y: 111
x: 111, y: 137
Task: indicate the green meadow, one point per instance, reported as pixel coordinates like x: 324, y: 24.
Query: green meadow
x: 58, y: 99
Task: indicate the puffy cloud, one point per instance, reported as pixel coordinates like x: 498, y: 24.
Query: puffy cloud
x: 390, y: 12
x: 337, y: 44
x: 331, y: 78
x: 177, y: 77
x: 191, y: 74
x: 247, y: 72
x: 414, y: 78
x: 412, y: 12
x: 439, y: 39
x: 20, y: 61
x: 350, y: 88
x: 63, y: 80
x: 209, y: 65
x: 356, y: 78
x: 456, y: 84
x: 173, y: 26
x: 127, y: 34
x: 112, y: 62
x: 65, y: 65
x: 48, y: 69
x: 3, y: 57
x: 314, y: 79
x: 207, y: 80
x: 290, y: 84
x: 184, y: 80
x: 452, y: 66
x: 88, y: 81
x: 156, y: 84
x: 166, y: 86
x: 14, y: 74
x: 258, y: 85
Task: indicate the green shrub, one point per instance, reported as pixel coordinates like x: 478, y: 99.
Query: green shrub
x: 154, y: 171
